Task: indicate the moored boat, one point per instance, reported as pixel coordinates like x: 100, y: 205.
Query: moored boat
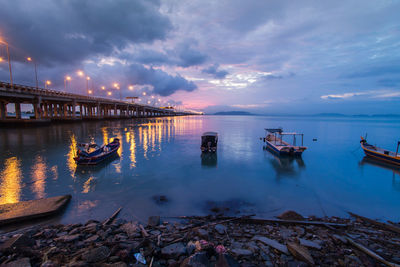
x: 87, y: 157
x: 209, y: 142
x: 381, y: 153
x: 275, y: 142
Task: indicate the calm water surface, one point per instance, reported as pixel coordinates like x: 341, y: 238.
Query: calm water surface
x: 162, y: 157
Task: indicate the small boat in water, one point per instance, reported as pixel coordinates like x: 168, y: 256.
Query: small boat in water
x: 380, y: 153
x: 209, y: 141
x: 93, y: 154
x: 274, y: 140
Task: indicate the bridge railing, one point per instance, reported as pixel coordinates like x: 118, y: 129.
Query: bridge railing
x: 19, y: 88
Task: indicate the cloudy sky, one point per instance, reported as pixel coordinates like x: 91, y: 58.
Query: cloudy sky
x: 275, y: 57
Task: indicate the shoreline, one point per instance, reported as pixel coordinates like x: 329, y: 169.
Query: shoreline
x: 291, y: 240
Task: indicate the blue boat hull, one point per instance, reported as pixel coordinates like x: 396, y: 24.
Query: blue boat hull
x: 97, y: 156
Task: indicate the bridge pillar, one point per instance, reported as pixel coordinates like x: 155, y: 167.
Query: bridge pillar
x: 65, y: 110
x: 80, y: 110
x: 18, y: 110
x: 73, y: 106
x: 115, y: 110
x: 3, y: 110
x: 98, y: 110
x: 36, y: 108
x: 51, y: 110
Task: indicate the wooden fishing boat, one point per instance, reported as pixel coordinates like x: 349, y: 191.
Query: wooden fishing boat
x: 275, y: 143
x: 86, y: 157
x: 209, y: 141
x: 380, y: 153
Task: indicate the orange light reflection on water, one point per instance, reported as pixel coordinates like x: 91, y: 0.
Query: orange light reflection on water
x: 11, y: 176
x: 39, y: 177
x: 70, y: 156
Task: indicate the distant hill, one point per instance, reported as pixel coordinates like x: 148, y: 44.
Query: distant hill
x: 233, y: 113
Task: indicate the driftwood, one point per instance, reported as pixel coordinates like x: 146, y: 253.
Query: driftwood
x: 112, y: 217
x: 371, y: 253
x: 144, y: 232
x: 381, y: 224
x: 300, y: 252
x: 264, y: 221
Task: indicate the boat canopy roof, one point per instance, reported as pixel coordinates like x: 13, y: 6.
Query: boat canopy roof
x: 274, y: 130
x: 210, y: 134
x: 280, y: 131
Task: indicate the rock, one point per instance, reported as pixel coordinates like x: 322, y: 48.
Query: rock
x: 300, y: 252
x: 17, y: 241
x: 48, y: 264
x: 241, y: 252
x: 190, y: 247
x: 153, y: 221
x: 160, y: 199
x: 117, y: 264
x: 130, y: 229
x: 91, y: 239
x: 226, y: 260
x: 291, y: 215
x: 299, y: 230
x: 67, y: 238
x: 272, y: 243
x: 96, y: 254
x: 23, y: 262
x: 308, y: 243
x: 221, y: 229
x: 174, y: 250
x: 286, y: 233
x: 199, y: 259
x: 202, y: 233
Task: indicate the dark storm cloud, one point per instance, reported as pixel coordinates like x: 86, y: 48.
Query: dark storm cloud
x: 163, y: 83
x: 71, y: 31
x: 188, y: 55
x: 213, y: 69
x: 185, y: 54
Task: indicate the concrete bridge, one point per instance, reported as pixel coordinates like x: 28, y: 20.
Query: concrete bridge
x: 51, y: 105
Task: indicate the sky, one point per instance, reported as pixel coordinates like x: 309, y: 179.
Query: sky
x: 264, y: 56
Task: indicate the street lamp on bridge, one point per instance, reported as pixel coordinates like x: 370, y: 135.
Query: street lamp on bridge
x: 46, y: 84
x: 66, y: 80
x: 9, y: 59
x: 34, y: 63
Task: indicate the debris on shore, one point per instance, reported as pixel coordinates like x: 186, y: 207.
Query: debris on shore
x: 207, y: 241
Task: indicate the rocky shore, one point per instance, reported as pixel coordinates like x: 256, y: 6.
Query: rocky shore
x: 219, y: 241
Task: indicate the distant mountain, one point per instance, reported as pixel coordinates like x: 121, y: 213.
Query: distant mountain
x: 233, y: 113
x: 330, y: 115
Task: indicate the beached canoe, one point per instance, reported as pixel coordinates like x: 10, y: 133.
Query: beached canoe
x: 32, y: 209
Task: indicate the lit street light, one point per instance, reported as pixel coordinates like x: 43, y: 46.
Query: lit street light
x: 66, y: 80
x: 144, y: 93
x: 34, y: 63
x: 130, y: 87
x: 87, y: 84
x: 116, y: 86
x: 80, y: 73
x: 9, y: 59
x: 46, y: 84
x: 109, y: 93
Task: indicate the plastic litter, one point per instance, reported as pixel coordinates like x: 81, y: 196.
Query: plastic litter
x: 140, y: 258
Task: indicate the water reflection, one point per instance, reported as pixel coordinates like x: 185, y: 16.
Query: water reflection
x: 285, y: 165
x: 11, y: 176
x: 390, y: 167
x: 209, y: 159
x: 71, y: 154
x: 38, y: 174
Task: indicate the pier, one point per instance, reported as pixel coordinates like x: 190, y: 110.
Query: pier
x: 52, y: 105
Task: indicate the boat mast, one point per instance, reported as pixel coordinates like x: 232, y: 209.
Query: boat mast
x: 397, y: 150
